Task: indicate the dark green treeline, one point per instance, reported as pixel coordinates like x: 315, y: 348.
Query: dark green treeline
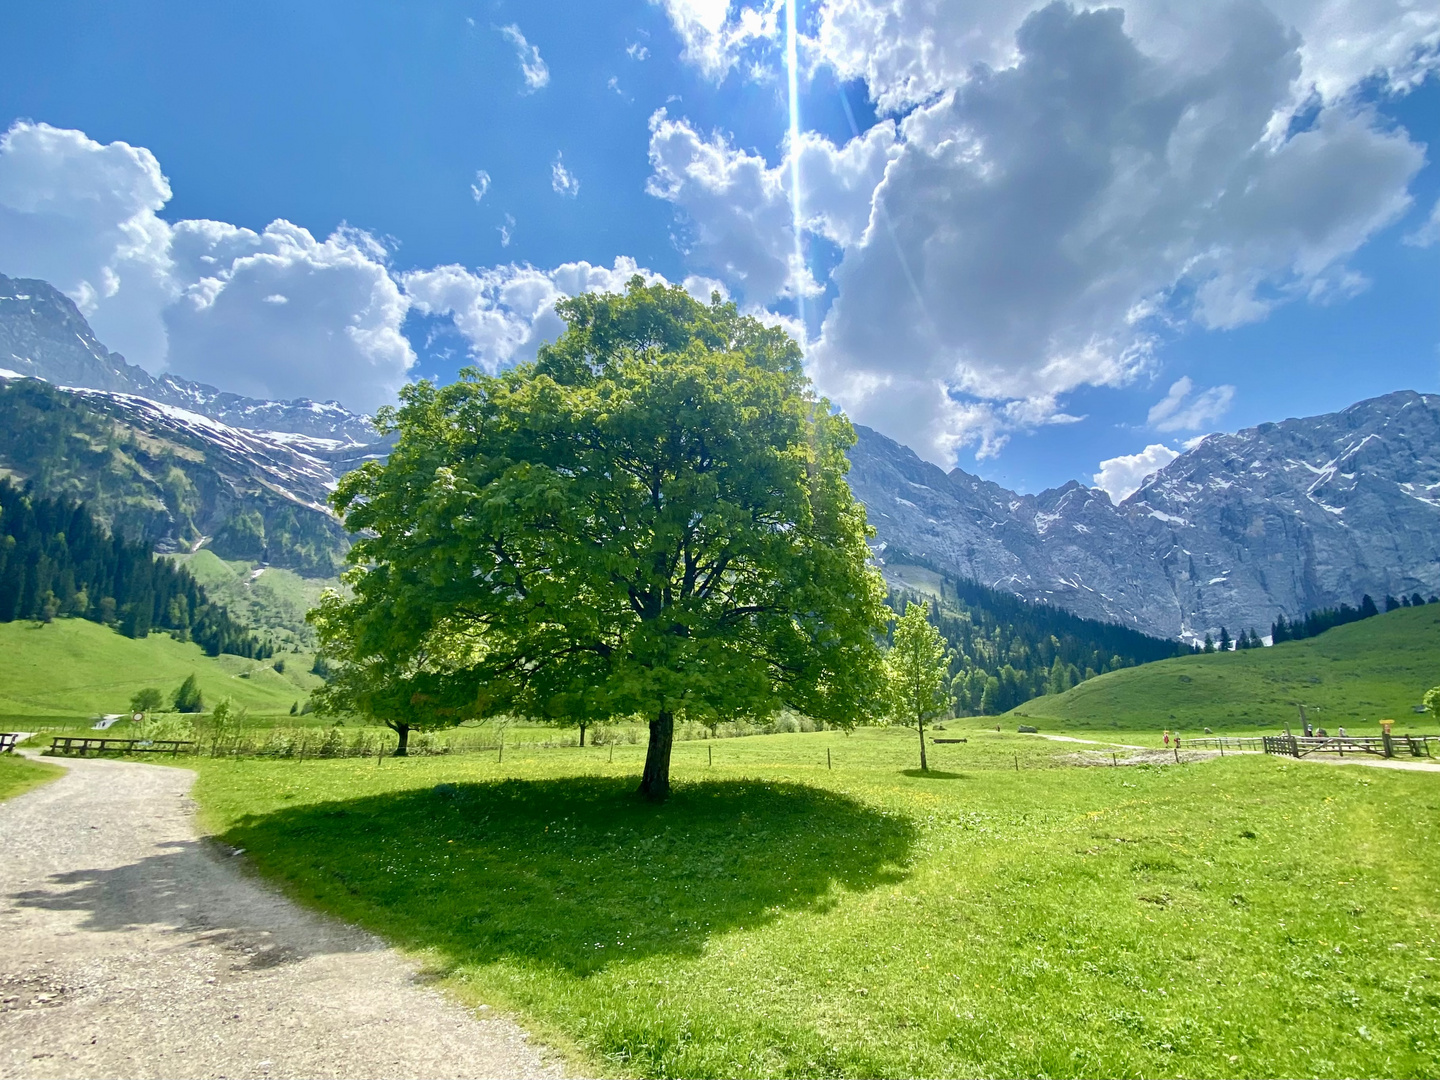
x: 57, y: 560
x: 1008, y: 650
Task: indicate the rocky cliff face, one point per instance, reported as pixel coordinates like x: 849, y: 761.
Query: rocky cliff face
x: 1282, y: 517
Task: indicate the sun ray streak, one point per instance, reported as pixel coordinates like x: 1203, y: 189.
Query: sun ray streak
x: 793, y: 77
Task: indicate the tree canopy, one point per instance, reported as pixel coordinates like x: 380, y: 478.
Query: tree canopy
x: 650, y: 519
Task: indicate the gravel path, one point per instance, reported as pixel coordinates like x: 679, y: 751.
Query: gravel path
x: 130, y: 948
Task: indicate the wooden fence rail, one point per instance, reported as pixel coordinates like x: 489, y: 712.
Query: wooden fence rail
x: 1379, y: 745
x: 83, y: 744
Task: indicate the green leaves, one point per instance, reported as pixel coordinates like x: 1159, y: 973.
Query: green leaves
x: 918, y: 666
x: 652, y: 516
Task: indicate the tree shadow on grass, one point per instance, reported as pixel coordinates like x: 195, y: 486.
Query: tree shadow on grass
x: 577, y: 873
x: 934, y: 774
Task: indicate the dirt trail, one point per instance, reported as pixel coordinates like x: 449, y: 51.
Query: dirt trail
x: 131, y: 948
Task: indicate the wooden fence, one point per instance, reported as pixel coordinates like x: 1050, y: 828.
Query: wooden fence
x: 1298, y: 746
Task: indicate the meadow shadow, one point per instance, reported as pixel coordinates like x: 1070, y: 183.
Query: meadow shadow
x: 934, y: 774
x: 576, y: 873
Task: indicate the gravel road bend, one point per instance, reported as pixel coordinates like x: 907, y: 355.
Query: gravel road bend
x: 130, y: 948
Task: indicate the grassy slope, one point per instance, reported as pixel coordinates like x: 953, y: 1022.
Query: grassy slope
x: 276, y: 601
x: 17, y: 775
x: 1355, y: 675
x: 781, y: 918
x: 73, y: 667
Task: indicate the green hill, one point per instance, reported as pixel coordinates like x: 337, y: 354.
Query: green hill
x: 271, y: 600
x: 1353, y: 675
x: 77, y: 668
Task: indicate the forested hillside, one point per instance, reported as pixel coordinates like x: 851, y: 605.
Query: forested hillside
x: 57, y: 560
x: 1008, y: 651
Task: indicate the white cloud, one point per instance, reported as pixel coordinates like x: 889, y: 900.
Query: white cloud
x: 506, y: 230
x: 562, y: 180
x: 1120, y: 477
x: 506, y: 312
x: 534, y: 69
x: 480, y: 186
x: 273, y: 314
x: 907, y: 51
x: 1179, y: 411
x: 1032, y: 223
x: 293, y: 316
x: 1428, y: 233
x: 636, y: 51
x: 738, y: 206
x: 715, y: 38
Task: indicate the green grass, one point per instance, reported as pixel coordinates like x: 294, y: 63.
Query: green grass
x: 1353, y: 675
x: 18, y: 775
x: 73, y: 668
x: 274, y: 602
x: 1241, y: 917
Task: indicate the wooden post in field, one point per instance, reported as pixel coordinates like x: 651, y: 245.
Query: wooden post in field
x: 501, y: 758
x: 1114, y: 761
x: 710, y: 750
x: 1017, y: 762
x: 612, y: 751
x: 827, y: 758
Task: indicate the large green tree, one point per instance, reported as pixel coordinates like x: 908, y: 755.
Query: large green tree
x: 650, y: 519
x: 918, y: 670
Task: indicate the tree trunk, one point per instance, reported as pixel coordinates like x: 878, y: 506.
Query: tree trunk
x: 923, y: 767
x: 402, y: 730
x: 655, y: 780
x: 582, y: 734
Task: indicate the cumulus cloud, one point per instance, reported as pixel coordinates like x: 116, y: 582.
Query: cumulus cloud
x: 273, y: 314
x: 562, y: 180
x: 290, y: 316
x: 908, y: 51
x: 1120, y: 477
x: 534, y: 70
x: 1053, y: 200
x: 738, y: 206
x: 715, y: 36
x: 506, y: 312
x: 1183, y: 410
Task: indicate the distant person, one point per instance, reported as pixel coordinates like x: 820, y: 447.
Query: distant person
x: 1342, y: 731
x: 1167, y: 736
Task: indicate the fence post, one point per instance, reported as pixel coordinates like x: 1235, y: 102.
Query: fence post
x: 828, y: 765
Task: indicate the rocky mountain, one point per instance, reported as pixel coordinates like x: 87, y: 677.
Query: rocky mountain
x: 177, y: 479
x: 43, y: 335
x: 1284, y: 517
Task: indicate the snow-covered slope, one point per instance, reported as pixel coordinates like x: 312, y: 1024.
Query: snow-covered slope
x: 43, y: 334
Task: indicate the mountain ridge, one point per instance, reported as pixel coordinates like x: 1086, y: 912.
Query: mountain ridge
x: 1286, y: 516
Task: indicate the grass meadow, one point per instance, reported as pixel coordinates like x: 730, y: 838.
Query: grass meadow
x: 1353, y: 675
x: 64, y: 672
x: 1010, y: 914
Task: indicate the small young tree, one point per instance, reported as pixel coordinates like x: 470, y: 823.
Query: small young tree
x: 918, y: 670
x: 188, y: 698
x: 1224, y: 643
x: 1209, y: 644
x: 1431, y: 701
x: 147, y: 701
x: 224, y: 725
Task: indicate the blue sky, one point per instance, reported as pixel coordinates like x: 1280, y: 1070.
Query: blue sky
x: 1053, y: 221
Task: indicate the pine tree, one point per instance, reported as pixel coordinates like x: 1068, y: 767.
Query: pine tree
x: 188, y: 698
